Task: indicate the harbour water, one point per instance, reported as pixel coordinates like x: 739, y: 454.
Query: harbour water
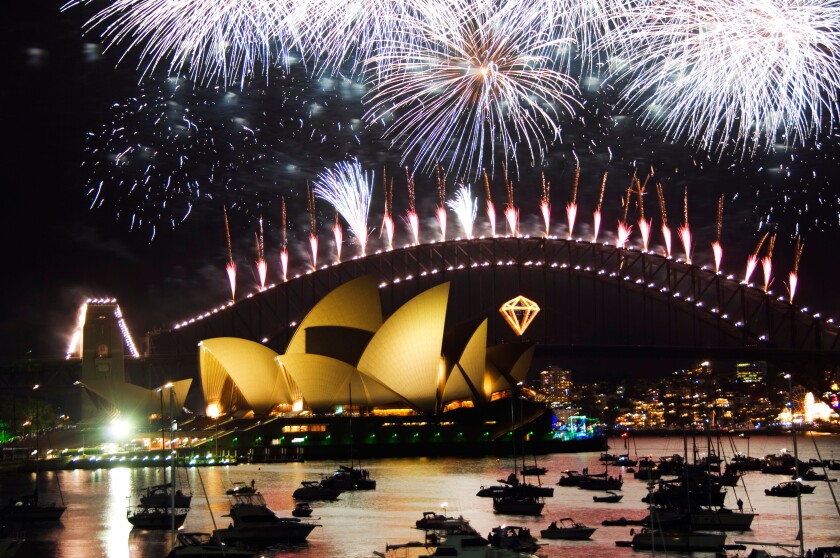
x: 360, y: 523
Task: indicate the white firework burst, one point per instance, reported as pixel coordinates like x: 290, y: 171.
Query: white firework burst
x: 485, y: 77
x: 731, y: 73
x: 465, y: 207
x: 348, y: 189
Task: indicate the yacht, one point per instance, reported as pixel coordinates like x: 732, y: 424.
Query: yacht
x: 203, y: 545
x: 153, y: 518
x: 253, y: 522
x: 649, y: 539
x: 568, y: 529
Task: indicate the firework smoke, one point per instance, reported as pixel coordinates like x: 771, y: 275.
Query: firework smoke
x: 793, y: 278
x: 465, y: 208
x: 491, y: 209
x: 231, y: 266
x: 666, y: 232
x: 348, y: 190
x: 597, y: 214
x: 752, y: 259
x: 717, y: 249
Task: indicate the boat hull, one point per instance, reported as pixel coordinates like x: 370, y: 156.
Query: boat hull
x: 290, y: 532
x: 572, y: 534
x: 31, y: 514
x: 155, y: 521
x: 689, y: 542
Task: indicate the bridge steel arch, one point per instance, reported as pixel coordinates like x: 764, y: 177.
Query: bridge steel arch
x: 595, y: 299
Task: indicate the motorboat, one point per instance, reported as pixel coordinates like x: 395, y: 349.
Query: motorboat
x: 241, y: 488
x: 350, y: 478
x: 533, y: 471
x: 432, y: 521
x: 789, y: 489
x: 314, y: 490
x: 472, y: 545
x: 701, y: 518
x: 620, y: 522
x: 160, y: 496
x: 685, y: 541
x: 610, y: 498
x: 624, y: 461
x: 27, y: 509
x: 601, y: 483
x: 254, y: 523
x: 518, y: 504
x: 204, y: 545
x: 513, y: 537
x: 811, y: 475
x: 302, y: 509
x: 567, y: 529
x: 152, y: 518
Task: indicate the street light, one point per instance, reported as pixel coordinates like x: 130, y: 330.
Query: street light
x: 214, y: 411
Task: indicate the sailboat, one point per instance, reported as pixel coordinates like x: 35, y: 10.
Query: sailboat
x: 28, y: 508
x: 352, y: 477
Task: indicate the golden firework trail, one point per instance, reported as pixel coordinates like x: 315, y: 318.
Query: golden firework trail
x: 666, y: 232
x: 388, y: 219
x: 571, y: 207
x: 793, y: 277
x: 767, y: 263
x: 597, y: 213
x: 411, y: 217
x: 752, y: 259
x: 717, y: 249
x: 231, y: 266
x: 511, y: 213
x: 644, y: 224
x: 545, y: 204
x: 684, y: 230
x: 440, y: 213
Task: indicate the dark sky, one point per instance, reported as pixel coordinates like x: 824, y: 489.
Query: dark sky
x: 62, y: 99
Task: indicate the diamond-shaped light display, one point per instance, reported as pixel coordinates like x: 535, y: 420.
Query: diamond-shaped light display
x: 519, y: 312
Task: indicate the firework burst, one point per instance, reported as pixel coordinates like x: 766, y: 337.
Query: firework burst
x: 596, y: 216
x: 721, y: 71
x: 411, y: 218
x: 262, y: 265
x: 545, y: 205
x: 284, y: 251
x: 644, y: 224
x: 212, y: 40
x: 465, y: 208
x: 717, y: 249
x: 338, y: 235
x: 440, y: 212
x: 230, y: 268
x: 752, y: 259
x: 388, y: 219
x: 511, y: 212
x: 793, y: 278
x: 684, y: 231
x: 666, y: 232
x: 491, y: 209
x: 571, y: 207
x: 482, y: 78
x: 767, y: 263
x: 313, y: 226
x: 348, y: 189
x: 624, y: 229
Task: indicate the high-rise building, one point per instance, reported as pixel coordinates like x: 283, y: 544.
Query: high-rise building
x: 751, y: 372
x: 556, y: 384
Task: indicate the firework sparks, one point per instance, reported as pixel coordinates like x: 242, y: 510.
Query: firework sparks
x: 338, y: 235
x: 491, y: 209
x: 666, y: 232
x: 571, y: 207
x: 684, y: 230
x: 284, y: 252
x: 231, y: 266
x: 465, y: 208
x: 481, y: 78
x: 545, y: 205
x: 624, y: 231
x: 727, y: 72
x: 717, y: 249
x: 644, y: 224
x: 411, y: 218
x: 262, y: 266
x: 440, y: 212
x: 313, y: 227
x: 212, y: 40
x: 767, y: 263
x: 387, y: 219
x: 348, y: 190
x: 597, y: 214
x: 511, y: 212
x: 752, y: 259
x: 793, y: 278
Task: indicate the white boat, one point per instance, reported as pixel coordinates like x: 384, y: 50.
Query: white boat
x: 568, y: 529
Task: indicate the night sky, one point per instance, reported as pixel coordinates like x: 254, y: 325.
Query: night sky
x: 77, y: 225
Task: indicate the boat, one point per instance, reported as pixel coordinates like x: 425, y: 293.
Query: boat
x: 241, y: 488
x: 601, y: 483
x: 513, y: 537
x: 302, y: 509
x: 27, y: 509
x: 533, y: 471
x: 624, y: 461
x: 349, y: 478
x: 153, y: 519
x: 701, y: 519
x: 204, y: 545
x: 458, y: 545
x: 314, y: 490
x: 610, y: 498
x: 432, y: 521
x: 607, y: 457
x: 789, y: 489
x: 685, y: 541
x: 568, y: 529
x: 160, y: 496
x: 252, y: 522
x: 811, y: 475
x: 518, y: 504
x: 620, y: 522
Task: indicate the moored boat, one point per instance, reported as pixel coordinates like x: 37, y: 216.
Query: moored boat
x: 518, y: 504
x: 789, y: 489
x: 432, y: 521
x: 204, y: 545
x: 314, y: 490
x: 568, y: 529
x: 649, y: 539
x: 302, y: 509
x: 155, y: 519
x: 254, y: 523
x: 513, y: 537
x: 160, y: 496
x: 26, y: 509
x: 610, y: 498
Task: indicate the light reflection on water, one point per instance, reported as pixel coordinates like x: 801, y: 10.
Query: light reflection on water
x: 362, y: 522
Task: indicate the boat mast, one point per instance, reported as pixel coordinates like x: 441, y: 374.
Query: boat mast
x: 174, y: 456
x: 801, y: 535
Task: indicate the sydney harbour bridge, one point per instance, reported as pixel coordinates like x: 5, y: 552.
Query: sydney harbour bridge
x: 597, y: 301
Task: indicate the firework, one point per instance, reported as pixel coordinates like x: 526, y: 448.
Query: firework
x: 212, y: 40
x: 338, y: 235
x: 284, y: 252
x: 752, y: 259
x: 387, y: 219
x: 511, y: 212
x: 717, y: 249
x: 684, y: 230
x: 411, y: 218
x: 465, y: 208
x: 313, y: 226
x: 440, y: 212
x: 624, y: 231
x: 571, y: 207
x: 231, y: 266
x: 483, y: 78
x: 729, y: 72
x: 262, y: 266
x: 767, y: 263
x: 545, y: 205
x: 597, y: 214
x: 348, y: 190
x: 793, y: 278
x: 666, y: 232
x: 491, y: 209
